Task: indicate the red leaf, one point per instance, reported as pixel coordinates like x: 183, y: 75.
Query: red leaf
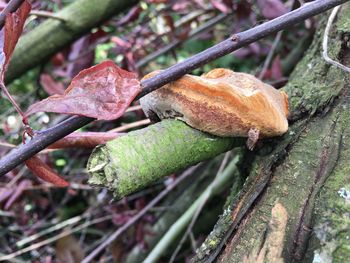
x: 50, y: 85
x: 42, y: 170
x: 84, y: 140
x: 272, y: 8
x: 10, y: 34
x: 103, y: 92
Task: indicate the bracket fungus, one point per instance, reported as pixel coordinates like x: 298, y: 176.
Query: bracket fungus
x: 223, y: 103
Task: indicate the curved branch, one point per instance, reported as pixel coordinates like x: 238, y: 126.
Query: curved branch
x: 40, y: 142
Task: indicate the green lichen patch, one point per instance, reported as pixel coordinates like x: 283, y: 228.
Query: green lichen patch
x: 331, y: 241
x: 315, y: 83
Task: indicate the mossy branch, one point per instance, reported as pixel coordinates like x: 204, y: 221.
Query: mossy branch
x: 140, y: 158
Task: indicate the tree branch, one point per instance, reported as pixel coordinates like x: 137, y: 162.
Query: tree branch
x: 122, y: 167
x: 41, y: 141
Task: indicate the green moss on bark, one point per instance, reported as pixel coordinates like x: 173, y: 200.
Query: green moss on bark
x: 140, y: 158
x: 331, y: 241
x: 312, y: 158
x: 314, y: 83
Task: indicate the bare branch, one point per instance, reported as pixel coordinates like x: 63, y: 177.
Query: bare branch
x: 41, y: 141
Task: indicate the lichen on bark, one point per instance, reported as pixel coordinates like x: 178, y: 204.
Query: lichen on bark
x: 318, y: 99
x: 140, y: 158
x: 331, y: 239
x: 314, y: 83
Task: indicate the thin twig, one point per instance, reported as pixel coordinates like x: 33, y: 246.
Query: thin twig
x: 40, y: 142
x: 41, y: 13
x: 68, y: 222
x: 16, y: 178
x: 198, y: 211
x: 134, y: 108
x: 46, y: 186
x: 272, y: 49
x: 270, y: 55
x: 8, y: 214
x: 131, y: 125
x: 54, y: 238
x: 325, y: 41
x: 12, y: 100
x: 7, y: 145
x: 138, y: 216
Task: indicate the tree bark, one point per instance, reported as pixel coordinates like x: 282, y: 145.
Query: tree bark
x: 303, y: 178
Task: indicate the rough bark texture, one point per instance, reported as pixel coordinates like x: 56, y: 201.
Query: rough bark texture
x: 306, y: 173
x: 38, y: 45
x: 140, y: 158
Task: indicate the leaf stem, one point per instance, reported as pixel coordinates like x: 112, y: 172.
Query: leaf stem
x: 14, y: 103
